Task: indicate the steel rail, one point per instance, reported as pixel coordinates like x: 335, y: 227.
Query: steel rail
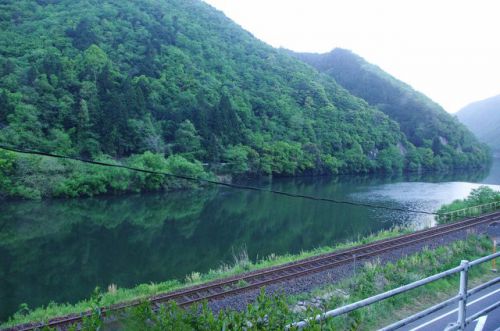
x: 253, y: 280
x: 316, y: 269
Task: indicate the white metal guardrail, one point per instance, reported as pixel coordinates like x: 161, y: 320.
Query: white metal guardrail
x: 461, y: 298
x: 468, y: 212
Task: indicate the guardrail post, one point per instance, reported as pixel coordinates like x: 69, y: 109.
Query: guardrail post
x: 494, y: 261
x: 462, y: 304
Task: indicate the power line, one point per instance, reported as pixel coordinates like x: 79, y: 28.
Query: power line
x: 213, y: 182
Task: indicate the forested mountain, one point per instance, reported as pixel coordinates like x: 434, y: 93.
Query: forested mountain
x: 169, y: 84
x: 426, y: 124
x: 483, y: 118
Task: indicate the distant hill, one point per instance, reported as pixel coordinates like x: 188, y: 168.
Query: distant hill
x: 483, y: 118
x: 426, y: 124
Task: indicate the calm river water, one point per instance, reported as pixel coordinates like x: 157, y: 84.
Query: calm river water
x: 60, y: 250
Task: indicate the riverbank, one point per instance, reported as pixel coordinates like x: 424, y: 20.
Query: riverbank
x: 39, y: 176
x: 35, y: 177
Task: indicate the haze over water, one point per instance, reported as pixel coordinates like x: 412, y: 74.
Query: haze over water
x: 59, y: 250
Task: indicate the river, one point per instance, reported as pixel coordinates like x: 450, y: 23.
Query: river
x: 59, y: 250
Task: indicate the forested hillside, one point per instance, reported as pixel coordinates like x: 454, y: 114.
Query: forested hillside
x: 483, y: 118
x: 172, y: 84
x: 426, y: 124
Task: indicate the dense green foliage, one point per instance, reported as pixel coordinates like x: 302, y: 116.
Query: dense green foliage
x: 34, y: 177
x: 441, y: 141
x: 112, y: 79
x: 275, y: 312
x: 483, y: 119
x: 482, y: 196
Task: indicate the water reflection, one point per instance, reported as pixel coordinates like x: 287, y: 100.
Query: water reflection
x: 61, y: 249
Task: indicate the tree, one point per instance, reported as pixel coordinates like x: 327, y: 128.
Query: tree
x: 390, y: 159
x: 5, y: 107
x: 149, y: 161
x: 427, y: 157
x: 214, y: 148
x: 24, y: 129
x: 187, y: 141
x: 83, y: 124
x: 7, y: 171
x: 286, y: 158
x: 237, y: 159
x: 225, y: 121
x: 355, y: 160
x: 178, y: 165
x: 94, y: 60
x: 82, y: 35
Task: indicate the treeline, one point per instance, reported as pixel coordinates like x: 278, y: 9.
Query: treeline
x: 116, y: 79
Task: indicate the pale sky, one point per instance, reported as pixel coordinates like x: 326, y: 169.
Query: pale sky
x: 447, y: 49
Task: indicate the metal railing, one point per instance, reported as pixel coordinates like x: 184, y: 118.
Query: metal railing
x: 461, y: 298
x: 468, y: 212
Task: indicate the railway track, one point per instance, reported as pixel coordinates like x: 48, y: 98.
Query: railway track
x: 253, y: 280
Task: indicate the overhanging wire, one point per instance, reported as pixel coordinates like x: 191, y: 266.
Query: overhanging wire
x: 213, y: 182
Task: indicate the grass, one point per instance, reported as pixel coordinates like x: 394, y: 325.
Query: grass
x: 241, y: 264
